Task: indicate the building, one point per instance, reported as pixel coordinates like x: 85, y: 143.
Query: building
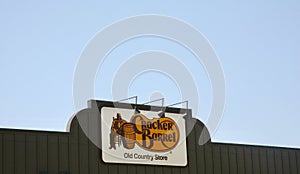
x: 72, y: 152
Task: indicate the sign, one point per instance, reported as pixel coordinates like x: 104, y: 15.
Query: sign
x: 143, y: 138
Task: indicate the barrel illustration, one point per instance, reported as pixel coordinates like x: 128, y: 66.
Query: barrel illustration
x: 128, y: 136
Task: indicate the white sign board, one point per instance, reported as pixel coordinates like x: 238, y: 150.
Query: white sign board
x: 143, y: 138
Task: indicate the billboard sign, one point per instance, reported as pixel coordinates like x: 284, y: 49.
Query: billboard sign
x: 143, y: 138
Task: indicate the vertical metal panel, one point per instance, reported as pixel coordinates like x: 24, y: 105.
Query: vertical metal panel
x: 93, y: 158
x: 225, y: 159
x: 293, y: 161
x: 248, y: 160
x: 255, y: 160
x: 8, y: 154
x: 233, y: 165
x: 1, y: 154
x: 208, y: 158
x: 150, y: 170
x: 200, y: 159
x: 263, y: 160
x: 271, y: 161
x: 158, y: 170
x: 166, y: 169
x: 278, y: 161
x: 132, y: 169
x: 191, y: 143
x: 123, y: 169
x: 240, y: 160
x: 94, y: 132
x: 83, y: 153
x: 103, y: 168
x: 285, y: 161
x: 42, y: 153
x: 31, y: 154
x: 20, y: 153
x: 52, y: 162
x: 74, y: 148
x: 140, y: 169
x: 113, y: 168
x: 199, y: 150
x: 175, y: 170
x: 63, y: 153
x: 298, y: 160
x: 216, y: 159
x: 83, y: 144
x: 184, y: 170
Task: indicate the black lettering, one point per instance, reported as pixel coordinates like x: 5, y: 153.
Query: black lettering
x: 149, y: 126
x: 134, y: 123
x: 165, y: 137
x: 154, y: 125
x: 154, y: 136
x: 146, y: 136
x: 159, y: 125
x: 165, y: 125
x: 158, y: 157
x: 159, y: 137
x: 170, y: 126
x: 170, y: 137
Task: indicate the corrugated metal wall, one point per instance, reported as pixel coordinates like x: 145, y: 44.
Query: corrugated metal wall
x: 34, y: 152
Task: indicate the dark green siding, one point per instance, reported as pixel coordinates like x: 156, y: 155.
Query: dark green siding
x: 35, y: 152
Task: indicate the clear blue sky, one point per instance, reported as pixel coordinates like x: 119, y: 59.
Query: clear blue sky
x: 257, y: 43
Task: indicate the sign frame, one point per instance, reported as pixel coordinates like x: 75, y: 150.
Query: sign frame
x: 186, y: 114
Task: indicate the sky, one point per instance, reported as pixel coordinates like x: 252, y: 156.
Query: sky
x: 257, y: 43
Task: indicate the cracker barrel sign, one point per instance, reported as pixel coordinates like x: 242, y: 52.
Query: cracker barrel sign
x: 156, y: 135
x: 142, y: 138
